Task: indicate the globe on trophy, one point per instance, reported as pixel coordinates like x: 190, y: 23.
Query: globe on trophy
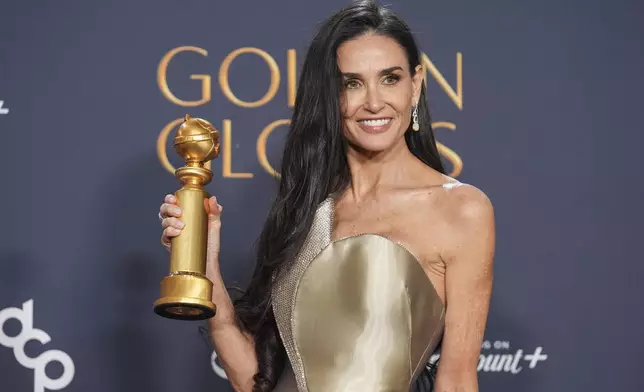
x: 186, y: 293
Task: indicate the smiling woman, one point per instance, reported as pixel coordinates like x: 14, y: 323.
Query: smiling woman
x: 371, y: 257
x: 379, y: 91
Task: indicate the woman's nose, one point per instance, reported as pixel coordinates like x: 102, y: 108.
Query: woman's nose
x: 374, y: 102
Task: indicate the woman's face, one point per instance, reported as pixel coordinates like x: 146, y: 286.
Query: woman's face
x: 378, y: 93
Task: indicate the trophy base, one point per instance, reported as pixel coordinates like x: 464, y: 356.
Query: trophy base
x: 185, y: 296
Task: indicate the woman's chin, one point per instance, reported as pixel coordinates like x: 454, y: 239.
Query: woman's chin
x: 374, y: 145
x: 375, y: 142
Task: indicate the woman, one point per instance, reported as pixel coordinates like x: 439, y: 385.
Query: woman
x: 371, y: 256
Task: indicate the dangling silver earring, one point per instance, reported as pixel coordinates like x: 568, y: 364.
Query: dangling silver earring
x: 415, y: 126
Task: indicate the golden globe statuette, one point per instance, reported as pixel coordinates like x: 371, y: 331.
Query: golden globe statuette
x: 186, y: 293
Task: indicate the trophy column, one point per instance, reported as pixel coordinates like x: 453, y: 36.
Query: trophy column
x: 186, y: 293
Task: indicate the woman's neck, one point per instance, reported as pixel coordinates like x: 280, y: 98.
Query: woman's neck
x: 372, y: 172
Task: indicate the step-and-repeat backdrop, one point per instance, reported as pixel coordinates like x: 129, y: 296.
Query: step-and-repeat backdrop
x: 537, y: 103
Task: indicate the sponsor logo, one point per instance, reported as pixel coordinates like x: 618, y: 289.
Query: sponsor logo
x: 216, y: 367
x: 500, y: 357
x: 27, y: 333
x: 496, y: 357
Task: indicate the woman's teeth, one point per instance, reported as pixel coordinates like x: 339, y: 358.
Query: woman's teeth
x: 376, y: 123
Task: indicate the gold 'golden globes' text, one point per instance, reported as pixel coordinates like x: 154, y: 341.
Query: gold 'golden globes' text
x: 275, y: 75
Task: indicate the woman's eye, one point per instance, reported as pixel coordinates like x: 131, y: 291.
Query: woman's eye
x: 350, y: 84
x: 391, y: 79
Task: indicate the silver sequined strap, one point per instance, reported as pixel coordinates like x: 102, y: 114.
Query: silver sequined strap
x: 318, y: 238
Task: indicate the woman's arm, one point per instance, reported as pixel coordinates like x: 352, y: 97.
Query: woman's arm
x: 468, y: 284
x: 234, y: 348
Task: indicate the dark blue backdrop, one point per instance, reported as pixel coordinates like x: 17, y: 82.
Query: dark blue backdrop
x: 547, y: 121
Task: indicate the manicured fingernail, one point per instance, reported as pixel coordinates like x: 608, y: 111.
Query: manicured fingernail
x: 181, y: 224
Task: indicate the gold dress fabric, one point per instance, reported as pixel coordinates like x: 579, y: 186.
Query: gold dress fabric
x: 355, y: 315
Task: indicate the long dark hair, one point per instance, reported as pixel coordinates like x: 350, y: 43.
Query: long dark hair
x: 313, y: 166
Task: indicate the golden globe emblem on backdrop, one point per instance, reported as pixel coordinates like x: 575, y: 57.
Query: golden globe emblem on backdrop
x: 186, y: 293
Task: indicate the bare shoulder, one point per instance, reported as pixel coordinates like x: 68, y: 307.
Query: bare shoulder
x: 468, y: 216
x: 466, y: 204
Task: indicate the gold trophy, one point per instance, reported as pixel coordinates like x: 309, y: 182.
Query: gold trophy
x: 186, y: 293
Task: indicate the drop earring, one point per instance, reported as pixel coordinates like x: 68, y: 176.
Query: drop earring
x: 415, y: 126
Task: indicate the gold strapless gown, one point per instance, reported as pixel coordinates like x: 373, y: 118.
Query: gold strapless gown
x: 355, y: 315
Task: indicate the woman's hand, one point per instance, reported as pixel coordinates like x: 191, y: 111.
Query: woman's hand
x: 235, y: 349
x: 170, y: 215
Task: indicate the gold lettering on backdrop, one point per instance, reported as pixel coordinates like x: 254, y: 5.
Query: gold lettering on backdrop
x: 261, y: 146
x: 455, y: 96
x: 448, y: 153
x: 162, y: 141
x: 162, y: 78
x: 292, y: 78
x: 227, y: 167
x: 274, y: 75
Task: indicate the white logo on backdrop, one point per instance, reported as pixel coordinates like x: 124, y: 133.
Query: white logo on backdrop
x: 3, y: 110
x: 26, y: 318
x: 500, y: 357
x: 216, y: 368
x: 495, y: 357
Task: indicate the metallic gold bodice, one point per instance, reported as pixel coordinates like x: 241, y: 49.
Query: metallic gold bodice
x: 357, y: 314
